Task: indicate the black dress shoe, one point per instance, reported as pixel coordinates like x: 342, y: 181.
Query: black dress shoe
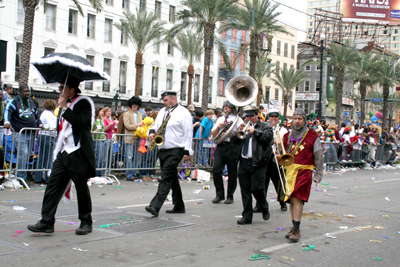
x: 40, y: 227
x: 283, y: 207
x: 151, y: 210
x: 266, y: 216
x: 256, y: 209
x: 84, y: 229
x: 175, y: 211
x: 243, y: 221
x: 229, y: 201
x: 217, y: 200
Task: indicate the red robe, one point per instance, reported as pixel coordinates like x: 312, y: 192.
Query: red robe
x: 299, y: 174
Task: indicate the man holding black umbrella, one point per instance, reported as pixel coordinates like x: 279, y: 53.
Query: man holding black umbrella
x: 73, y: 159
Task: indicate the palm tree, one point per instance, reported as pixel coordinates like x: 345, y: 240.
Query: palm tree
x: 343, y: 56
x: 365, y: 70
x: 389, y: 75
x: 29, y: 19
x: 190, y: 45
x: 203, y: 16
x: 142, y: 30
x: 263, y: 68
x: 288, y: 79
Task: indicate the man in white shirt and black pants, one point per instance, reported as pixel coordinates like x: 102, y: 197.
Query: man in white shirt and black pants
x: 254, y: 152
x: 225, y: 153
x: 177, y: 145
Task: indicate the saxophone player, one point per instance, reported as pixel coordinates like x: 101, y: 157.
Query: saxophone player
x: 225, y: 153
x: 177, y: 145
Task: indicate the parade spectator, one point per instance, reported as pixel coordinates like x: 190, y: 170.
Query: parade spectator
x: 202, y: 153
x: 108, y: 123
x: 191, y: 110
x: 46, y: 140
x: 152, y: 155
x: 7, y: 90
x: 99, y: 140
x: 2, y: 108
x: 21, y: 112
x: 197, y: 121
x: 346, y: 144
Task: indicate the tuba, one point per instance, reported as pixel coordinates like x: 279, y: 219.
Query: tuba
x: 240, y: 91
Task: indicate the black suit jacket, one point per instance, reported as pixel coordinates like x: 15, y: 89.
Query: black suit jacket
x: 80, y: 120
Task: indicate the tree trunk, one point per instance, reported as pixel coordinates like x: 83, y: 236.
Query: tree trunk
x: 30, y: 7
x: 189, y: 91
x: 385, y: 104
x: 253, y: 55
x: 285, y: 102
x: 363, y: 92
x: 339, y: 93
x: 208, y: 45
x: 139, y: 65
x: 259, y: 95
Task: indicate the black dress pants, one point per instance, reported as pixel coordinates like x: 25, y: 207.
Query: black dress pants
x: 225, y: 153
x: 252, y: 182
x: 272, y: 174
x: 72, y: 166
x: 169, y: 161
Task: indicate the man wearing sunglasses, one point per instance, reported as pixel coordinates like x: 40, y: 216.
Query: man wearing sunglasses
x: 255, y: 150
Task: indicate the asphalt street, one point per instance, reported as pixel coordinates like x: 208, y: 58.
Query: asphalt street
x: 359, y: 209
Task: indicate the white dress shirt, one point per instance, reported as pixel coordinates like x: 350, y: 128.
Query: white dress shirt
x: 48, y: 117
x: 231, y: 117
x: 179, y: 130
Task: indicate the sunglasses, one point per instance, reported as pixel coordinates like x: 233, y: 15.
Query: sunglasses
x: 61, y: 87
x: 251, y: 115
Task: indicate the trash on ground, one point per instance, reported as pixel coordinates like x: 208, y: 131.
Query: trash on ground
x: 386, y: 237
x: 344, y: 227
x: 79, y: 249
x: 287, y: 258
x: 329, y: 235
x: 386, y: 198
x: 280, y: 229
x: 196, y: 191
x: 375, y: 241
x: 308, y: 247
x: 19, y: 208
x: 25, y: 244
x: 258, y: 257
x: 378, y: 259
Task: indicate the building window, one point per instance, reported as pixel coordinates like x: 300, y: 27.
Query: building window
x: 72, y: 21
x: 89, y: 85
x: 267, y: 89
x: 154, y: 82
x: 170, y: 49
x: 18, y: 52
x: 222, y: 62
x: 297, y: 88
x: 142, y: 5
x: 210, y: 81
x: 233, y: 59
x: 283, y: 97
x: 233, y: 35
x: 91, y: 24
x: 308, y: 67
x: 242, y: 63
x: 276, y: 94
x: 196, y: 87
x: 124, y: 38
x: 316, y: 108
x: 286, y: 49
x: 122, y: 77
x: 278, y: 48
x: 292, y: 52
x: 109, y: 2
x: 50, y: 17
x: 284, y: 65
x: 48, y: 50
x: 291, y: 67
x: 307, y: 86
x: 108, y: 30
x: 21, y: 12
x: 107, y: 69
x: 317, y: 67
x: 157, y: 10
x: 169, y: 79
x: 317, y: 86
x: 243, y: 36
x: 278, y: 65
x: 306, y: 108
x: 172, y: 14
x: 221, y: 88
x: 125, y: 4
x: 156, y: 46
x: 183, y: 85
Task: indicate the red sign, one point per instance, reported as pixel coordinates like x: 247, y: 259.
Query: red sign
x: 373, y: 11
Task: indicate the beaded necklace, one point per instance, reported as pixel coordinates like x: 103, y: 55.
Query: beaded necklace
x: 27, y: 116
x: 2, y: 111
x: 293, y: 149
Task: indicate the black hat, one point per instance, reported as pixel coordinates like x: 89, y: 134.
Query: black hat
x: 167, y: 92
x: 73, y: 82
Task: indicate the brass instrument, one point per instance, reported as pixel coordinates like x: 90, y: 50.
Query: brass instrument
x: 282, y: 177
x: 158, y: 139
x: 240, y: 91
x: 241, y: 134
x: 285, y: 159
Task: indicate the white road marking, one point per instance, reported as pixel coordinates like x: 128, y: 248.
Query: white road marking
x: 382, y: 181
x: 166, y: 202
x: 266, y: 250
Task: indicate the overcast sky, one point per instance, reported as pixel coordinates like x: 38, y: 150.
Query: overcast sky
x: 292, y: 17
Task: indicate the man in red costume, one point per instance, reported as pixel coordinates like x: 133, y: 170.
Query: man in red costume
x: 306, y: 148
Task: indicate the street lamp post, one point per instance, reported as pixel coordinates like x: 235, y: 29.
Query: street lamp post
x: 321, y: 49
x: 116, y: 99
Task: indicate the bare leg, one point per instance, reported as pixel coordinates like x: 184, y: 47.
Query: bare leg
x: 296, y: 208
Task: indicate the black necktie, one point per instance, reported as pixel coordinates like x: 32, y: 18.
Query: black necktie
x: 246, y: 144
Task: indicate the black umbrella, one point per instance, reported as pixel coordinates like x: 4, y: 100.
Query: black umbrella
x: 56, y: 66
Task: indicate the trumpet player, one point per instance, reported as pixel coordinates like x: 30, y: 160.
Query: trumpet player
x: 177, y: 145
x: 255, y: 150
x: 225, y: 154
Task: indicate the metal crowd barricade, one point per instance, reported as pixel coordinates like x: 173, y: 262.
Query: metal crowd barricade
x: 102, y: 148
x: 383, y: 153
x: 339, y: 153
x: 7, y: 153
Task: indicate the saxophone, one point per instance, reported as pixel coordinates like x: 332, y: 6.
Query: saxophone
x: 158, y: 139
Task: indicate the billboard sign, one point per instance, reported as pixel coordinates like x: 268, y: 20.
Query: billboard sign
x: 370, y: 11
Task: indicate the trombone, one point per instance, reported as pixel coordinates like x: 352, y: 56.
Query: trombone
x: 241, y: 134
x: 285, y: 185
x: 285, y: 159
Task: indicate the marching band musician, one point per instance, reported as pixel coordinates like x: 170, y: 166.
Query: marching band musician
x: 225, y: 153
x: 255, y: 150
x: 306, y: 148
x: 273, y: 172
x: 177, y: 145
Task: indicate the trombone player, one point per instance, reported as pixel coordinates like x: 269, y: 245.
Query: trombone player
x: 255, y: 150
